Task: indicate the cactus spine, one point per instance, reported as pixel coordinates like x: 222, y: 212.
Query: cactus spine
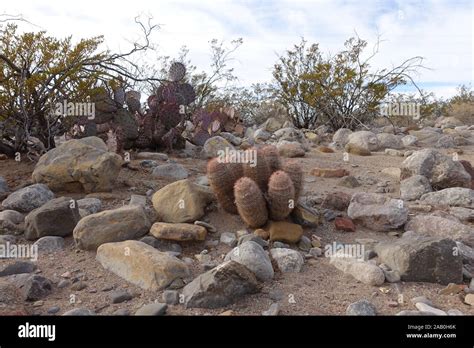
x: 281, y: 195
x: 250, y: 203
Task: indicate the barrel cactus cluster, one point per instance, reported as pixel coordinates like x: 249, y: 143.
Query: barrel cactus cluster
x: 266, y: 189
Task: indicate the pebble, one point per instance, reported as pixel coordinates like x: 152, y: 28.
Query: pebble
x: 421, y: 299
x: 53, y: 310
x: 38, y: 303
x: 64, y: 283
x: 304, y: 243
x: 80, y: 285
x: 153, y: 309
x: 423, y: 307
x: 469, y: 299
x: 455, y: 312
x: 316, y: 252
x: 280, y: 245
x: 107, y: 288
x: 229, y: 239
x: 272, y: 311
x: 120, y: 296
x: 362, y: 307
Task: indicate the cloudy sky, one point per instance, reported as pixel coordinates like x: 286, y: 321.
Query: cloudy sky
x: 440, y: 31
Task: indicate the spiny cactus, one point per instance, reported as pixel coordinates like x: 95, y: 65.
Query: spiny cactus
x: 259, y: 171
x: 281, y: 195
x: 293, y: 169
x: 222, y: 177
x: 272, y: 156
x: 250, y: 202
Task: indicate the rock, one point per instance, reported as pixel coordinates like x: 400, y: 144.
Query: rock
x: 455, y: 312
x: 389, y: 141
x: 138, y: 200
x: 231, y: 138
x: 391, y: 276
x: 78, y: 286
x: 120, y: 296
x: 414, y: 187
x: 469, y: 299
x: 423, y: 307
x: 365, y: 140
x: 454, y: 197
x: 348, y: 181
x: 448, y: 122
x: 3, y: 186
x: 288, y: 260
x: 261, y: 135
x: 315, y: 252
x: 284, y: 231
x: 362, y: 307
x: 33, y: 287
x: 304, y: 243
x: 409, y: 140
x: 202, y: 180
x: 364, y: 272
x: 288, y: 134
x: 392, y: 171
x: 121, y: 312
x: 49, y: 244
x: 220, y: 286
x: 213, y: 146
x: 171, y: 171
x: 342, y: 136
x: 441, y: 227
x: 152, y: 156
x: 170, y: 297
x: 79, y: 165
x: 116, y: 225
x: 344, y: 224
x: 329, y: 172
x: 395, y: 153
x: 79, y: 312
x: 305, y: 216
x: 357, y: 150
x: 452, y: 289
x: 252, y: 238
x: 469, y: 169
x: 178, y: 232
x: 12, y: 216
x: 57, y: 217
x: 152, y: 309
x: 290, y: 149
x: 441, y: 170
x: 53, y: 310
x: 91, y: 205
x: 5, y: 240
x: 271, y: 125
x: 141, y: 264
x: 228, y: 238
x: 336, y: 200
x: 252, y: 256
x: 422, y: 259
x: 181, y: 201
x: 421, y: 299
x: 445, y: 142
x: 28, y: 198
x: 377, y: 212
x: 412, y: 313
x: 272, y: 311
x: 18, y: 267
x: 261, y: 233
x: 149, y: 164
x: 210, y: 228
x: 463, y: 214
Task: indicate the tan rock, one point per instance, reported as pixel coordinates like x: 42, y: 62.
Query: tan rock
x: 285, y: 232
x: 141, y: 264
x: 178, y: 232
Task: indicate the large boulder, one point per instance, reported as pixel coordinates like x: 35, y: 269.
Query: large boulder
x: 181, y: 201
x: 57, y: 217
x: 437, y: 226
x: 288, y: 260
x: 341, y: 136
x: 454, y: 197
x: 28, y: 198
x: 426, y: 136
x: 422, y: 259
x: 441, y: 170
x: 365, y: 140
x: 116, y: 225
x: 79, y: 165
x: 220, y: 286
x: 141, y: 264
x: 252, y: 256
x: 414, y: 187
x: 290, y: 149
x: 377, y: 212
x: 215, y: 145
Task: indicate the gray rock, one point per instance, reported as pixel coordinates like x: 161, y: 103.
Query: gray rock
x: 445, y: 142
x: 216, y: 145
x: 171, y: 297
x: 414, y: 187
x: 304, y: 243
x: 7, y: 239
x: 28, y: 198
x: 363, y: 271
x: 278, y: 244
x: 348, y: 181
x: 33, y: 287
x: 272, y: 311
x: 149, y: 164
x: 57, y: 217
x: 120, y: 296
x: 421, y: 299
x: 362, y: 307
x: 341, y: 136
x: 455, y: 312
x: 91, y: 205
x: 53, y: 310
x: 377, y: 212
x: 422, y: 259
x: 288, y: 260
x: 252, y: 256
x: 454, y: 197
x: 261, y: 135
x: 390, y: 141
x: 253, y: 238
x: 174, y: 171
x: 121, y: 312
x: 229, y: 238
x: 463, y: 214
x: 231, y: 138
x: 423, y: 307
x: 138, y: 200
x: 79, y: 312
x: 436, y: 226
x: 49, y: 244
x: 412, y: 313
x: 162, y: 245
x: 3, y: 185
x: 152, y: 309
x: 365, y: 140
x: 12, y: 216
x: 441, y: 170
x: 409, y: 140
x: 220, y: 286
x: 152, y: 156
x: 315, y: 252
x: 17, y: 267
